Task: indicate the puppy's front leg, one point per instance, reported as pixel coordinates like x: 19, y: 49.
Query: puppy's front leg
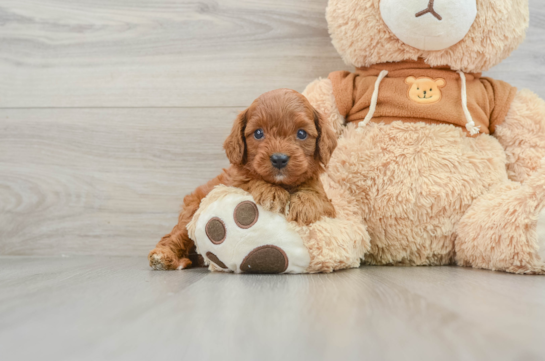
x: 310, y: 203
x: 271, y: 197
x: 174, y: 251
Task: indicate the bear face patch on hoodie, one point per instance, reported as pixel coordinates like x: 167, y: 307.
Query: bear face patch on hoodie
x: 413, y: 91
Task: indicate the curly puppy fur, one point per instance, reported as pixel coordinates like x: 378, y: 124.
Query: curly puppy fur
x: 295, y: 190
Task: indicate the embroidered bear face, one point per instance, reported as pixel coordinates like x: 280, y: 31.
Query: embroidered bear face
x: 425, y: 90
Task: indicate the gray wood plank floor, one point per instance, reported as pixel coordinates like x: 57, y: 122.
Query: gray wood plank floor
x: 115, y: 308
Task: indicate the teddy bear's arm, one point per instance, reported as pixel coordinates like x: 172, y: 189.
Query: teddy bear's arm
x: 320, y: 95
x: 522, y: 134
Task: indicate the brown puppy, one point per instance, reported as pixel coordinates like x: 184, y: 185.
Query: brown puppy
x: 278, y: 148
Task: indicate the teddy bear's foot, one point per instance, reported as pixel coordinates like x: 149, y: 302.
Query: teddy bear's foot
x: 541, y: 233
x: 527, y: 270
x: 503, y: 230
x: 538, y: 269
x: 234, y: 234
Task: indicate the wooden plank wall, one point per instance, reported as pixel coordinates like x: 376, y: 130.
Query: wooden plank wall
x: 112, y: 110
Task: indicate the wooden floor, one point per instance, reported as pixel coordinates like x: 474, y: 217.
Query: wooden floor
x: 116, y: 308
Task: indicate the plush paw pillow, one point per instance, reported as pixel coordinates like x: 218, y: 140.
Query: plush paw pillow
x: 234, y: 234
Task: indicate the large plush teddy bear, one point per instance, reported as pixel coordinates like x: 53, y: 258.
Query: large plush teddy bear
x: 435, y: 165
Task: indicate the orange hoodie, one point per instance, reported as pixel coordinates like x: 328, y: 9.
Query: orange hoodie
x: 413, y: 91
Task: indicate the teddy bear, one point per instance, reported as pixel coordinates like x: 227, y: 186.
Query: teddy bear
x: 435, y: 164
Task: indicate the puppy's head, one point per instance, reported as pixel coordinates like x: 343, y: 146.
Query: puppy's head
x: 281, y: 138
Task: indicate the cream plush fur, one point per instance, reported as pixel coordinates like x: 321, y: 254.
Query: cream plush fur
x: 363, y: 39
x: 421, y: 194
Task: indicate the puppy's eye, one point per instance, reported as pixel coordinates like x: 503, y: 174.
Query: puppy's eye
x: 431, y: 90
x: 301, y: 134
x: 259, y: 134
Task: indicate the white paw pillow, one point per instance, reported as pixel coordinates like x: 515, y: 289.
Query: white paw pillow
x: 234, y: 234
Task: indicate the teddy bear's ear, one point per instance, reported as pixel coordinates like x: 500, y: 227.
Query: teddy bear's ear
x: 410, y: 80
x: 440, y: 82
x: 326, y: 141
x: 235, y: 144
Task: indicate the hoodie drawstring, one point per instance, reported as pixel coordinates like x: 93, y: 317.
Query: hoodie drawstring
x: 470, y: 123
x: 374, y: 100
x: 471, y: 127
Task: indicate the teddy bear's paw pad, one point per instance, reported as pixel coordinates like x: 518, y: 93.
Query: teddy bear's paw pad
x: 215, y: 230
x: 265, y: 259
x: 236, y: 235
x: 246, y: 214
x: 212, y: 257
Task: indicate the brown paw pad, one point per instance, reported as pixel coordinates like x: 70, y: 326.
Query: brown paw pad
x: 212, y: 257
x: 265, y: 259
x: 246, y: 214
x: 215, y: 230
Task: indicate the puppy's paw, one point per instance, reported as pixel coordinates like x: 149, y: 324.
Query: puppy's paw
x: 164, y: 259
x: 307, y: 208
x: 274, y: 199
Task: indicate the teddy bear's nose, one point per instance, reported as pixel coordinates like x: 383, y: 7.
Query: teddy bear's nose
x: 429, y: 10
x: 425, y: 92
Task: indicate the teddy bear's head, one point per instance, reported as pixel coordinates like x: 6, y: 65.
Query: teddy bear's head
x: 467, y: 35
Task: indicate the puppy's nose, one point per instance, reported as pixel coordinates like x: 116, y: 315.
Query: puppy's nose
x: 279, y: 160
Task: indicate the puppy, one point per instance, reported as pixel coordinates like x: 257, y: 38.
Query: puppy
x: 277, y: 148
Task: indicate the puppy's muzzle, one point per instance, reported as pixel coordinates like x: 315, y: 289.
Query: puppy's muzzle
x: 279, y: 160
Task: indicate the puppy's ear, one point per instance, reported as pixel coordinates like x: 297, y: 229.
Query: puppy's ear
x: 327, y: 139
x: 235, y: 144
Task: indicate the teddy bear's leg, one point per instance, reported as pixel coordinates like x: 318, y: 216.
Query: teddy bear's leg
x: 541, y: 233
x: 320, y: 94
x: 175, y: 251
x: 499, y: 231
x: 522, y: 135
